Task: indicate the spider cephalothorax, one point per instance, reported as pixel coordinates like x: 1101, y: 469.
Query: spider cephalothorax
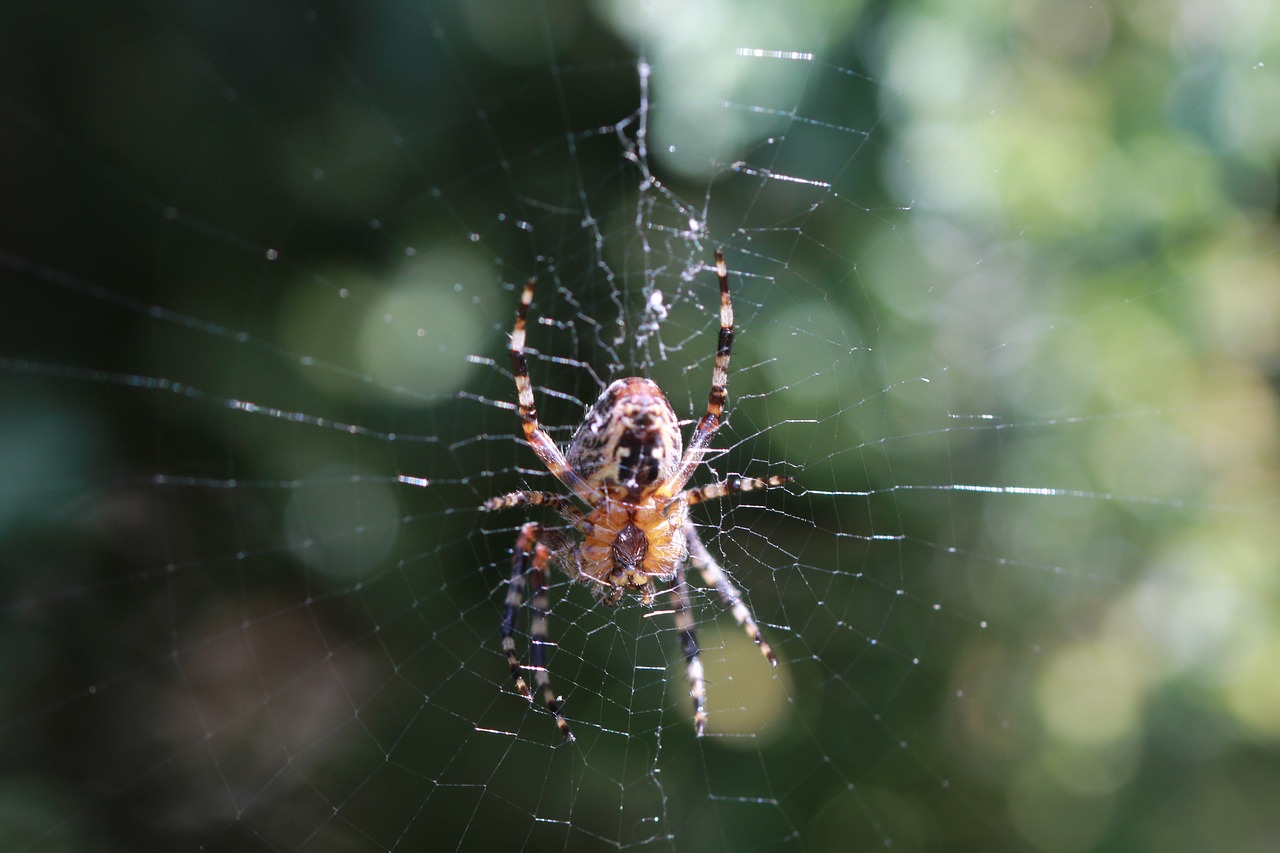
x: 627, y: 463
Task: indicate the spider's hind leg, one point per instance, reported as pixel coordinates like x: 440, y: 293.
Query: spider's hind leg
x: 562, y: 504
x: 732, y: 486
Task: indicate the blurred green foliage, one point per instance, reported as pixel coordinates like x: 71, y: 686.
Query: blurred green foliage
x: 1016, y: 299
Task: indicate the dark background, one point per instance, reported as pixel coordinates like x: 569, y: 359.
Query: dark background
x: 1014, y: 333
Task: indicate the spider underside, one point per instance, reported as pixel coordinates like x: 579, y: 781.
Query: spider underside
x: 626, y: 463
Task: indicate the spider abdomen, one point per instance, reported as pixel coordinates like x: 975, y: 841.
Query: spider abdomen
x: 630, y: 438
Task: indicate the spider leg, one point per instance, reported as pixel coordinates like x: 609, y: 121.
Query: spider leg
x: 689, y: 646
x: 538, y: 644
x: 710, y: 422
x: 530, y: 557
x: 562, y: 504
x: 714, y: 576
x: 542, y: 443
x: 732, y: 486
x: 515, y: 593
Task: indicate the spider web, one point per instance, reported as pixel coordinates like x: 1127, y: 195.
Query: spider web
x: 1009, y: 323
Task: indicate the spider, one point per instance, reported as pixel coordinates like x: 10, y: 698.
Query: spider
x: 625, y: 463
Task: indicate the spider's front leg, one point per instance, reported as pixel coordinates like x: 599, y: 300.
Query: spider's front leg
x: 714, y: 576
x: 530, y: 558
x: 689, y: 647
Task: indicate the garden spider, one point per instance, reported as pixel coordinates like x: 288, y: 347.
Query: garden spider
x: 625, y: 463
